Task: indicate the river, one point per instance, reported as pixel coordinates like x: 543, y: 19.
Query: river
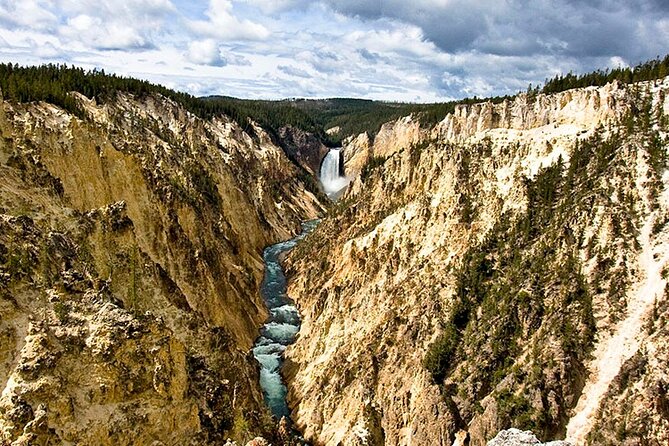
x: 282, y: 326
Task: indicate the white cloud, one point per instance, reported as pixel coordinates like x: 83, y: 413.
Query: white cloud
x: 391, y: 49
x: 223, y: 24
x: 205, y: 52
x: 33, y: 14
x: 134, y: 10
x: 108, y: 24
x: 407, y: 40
x: 104, y: 35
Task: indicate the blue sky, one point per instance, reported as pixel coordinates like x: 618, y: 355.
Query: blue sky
x: 421, y: 50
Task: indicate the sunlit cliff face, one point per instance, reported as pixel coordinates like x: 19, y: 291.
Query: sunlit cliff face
x: 130, y: 259
x: 477, y: 276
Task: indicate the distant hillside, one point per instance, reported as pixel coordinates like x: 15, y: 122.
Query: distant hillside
x: 350, y: 116
x: 355, y: 116
x: 52, y: 83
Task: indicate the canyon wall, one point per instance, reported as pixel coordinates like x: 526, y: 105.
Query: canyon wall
x: 130, y: 263
x: 303, y: 148
x: 504, y: 268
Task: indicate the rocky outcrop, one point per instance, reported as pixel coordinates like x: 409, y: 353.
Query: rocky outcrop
x: 356, y: 151
x: 467, y: 281
x: 392, y: 137
x: 397, y: 135
x: 516, y: 437
x: 130, y: 259
x: 585, y: 107
x: 304, y: 148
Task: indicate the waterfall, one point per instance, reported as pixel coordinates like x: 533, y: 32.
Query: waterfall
x: 330, y: 176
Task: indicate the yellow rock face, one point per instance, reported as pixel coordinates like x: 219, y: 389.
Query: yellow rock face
x: 130, y: 249
x: 376, y: 282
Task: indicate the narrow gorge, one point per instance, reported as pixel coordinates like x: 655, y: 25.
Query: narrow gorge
x: 336, y: 272
x: 131, y: 238
x: 280, y: 329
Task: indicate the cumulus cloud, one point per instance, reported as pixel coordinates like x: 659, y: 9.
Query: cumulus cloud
x: 107, y: 24
x: 479, y: 47
x: 576, y: 28
x: 392, y: 49
x: 33, y: 14
x: 223, y: 24
x: 104, y: 35
x: 205, y: 52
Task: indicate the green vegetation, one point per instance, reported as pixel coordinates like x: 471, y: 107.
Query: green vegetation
x: 355, y: 116
x: 646, y: 71
x: 16, y: 258
x: 373, y: 163
x: 270, y: 115
x: 523, y: 283
x: 62, y: 312
x: 351, y: 116
x: 52, y: 83
x: 204, y: 184
x: 440, y: 357
x: 517, y: 408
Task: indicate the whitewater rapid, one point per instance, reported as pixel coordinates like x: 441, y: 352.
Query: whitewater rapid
x: 282, y: 326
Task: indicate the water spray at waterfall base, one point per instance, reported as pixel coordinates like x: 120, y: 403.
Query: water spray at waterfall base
x: 331, y: 174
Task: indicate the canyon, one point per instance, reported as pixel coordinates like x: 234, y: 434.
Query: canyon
x: 504, y: 266
x: 131, y: 258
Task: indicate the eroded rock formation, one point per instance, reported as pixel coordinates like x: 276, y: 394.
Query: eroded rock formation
x: 130, y: 259
x: 471, y: 279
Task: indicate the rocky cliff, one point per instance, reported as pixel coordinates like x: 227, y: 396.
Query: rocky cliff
x: 304, y: 148
x: 130, y: 259
x: 392, y: 136
x: 504, y: 268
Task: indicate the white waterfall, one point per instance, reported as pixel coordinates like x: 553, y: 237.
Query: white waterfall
x: 330, y: 179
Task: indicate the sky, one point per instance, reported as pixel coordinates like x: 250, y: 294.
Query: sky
x: 399, y: 50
